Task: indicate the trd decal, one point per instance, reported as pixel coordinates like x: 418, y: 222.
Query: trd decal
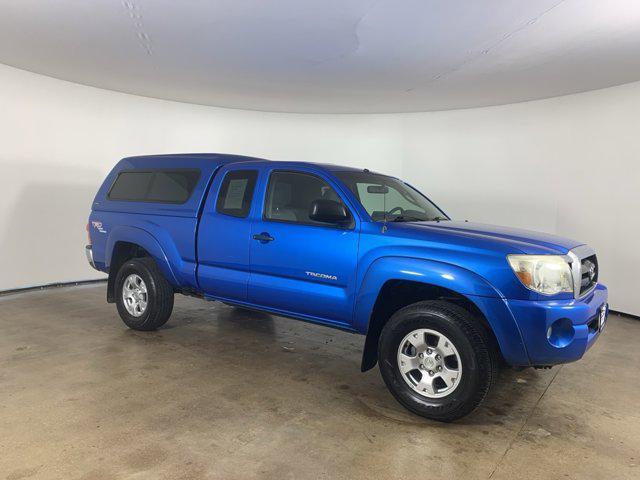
x: 321, y: 275
x: 98, y: 226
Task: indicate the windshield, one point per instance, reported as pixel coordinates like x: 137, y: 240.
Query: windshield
x: 388, y: 198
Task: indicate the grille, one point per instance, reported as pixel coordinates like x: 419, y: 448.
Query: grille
x: 588, y: 273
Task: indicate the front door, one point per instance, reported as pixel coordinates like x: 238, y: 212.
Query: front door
x: 224, y: 234
x: 300, y: 266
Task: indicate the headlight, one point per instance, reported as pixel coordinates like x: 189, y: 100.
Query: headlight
x: 546, y: 274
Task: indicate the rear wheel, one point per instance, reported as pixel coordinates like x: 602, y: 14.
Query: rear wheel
x: 436, y: 360
x: 143, y: 296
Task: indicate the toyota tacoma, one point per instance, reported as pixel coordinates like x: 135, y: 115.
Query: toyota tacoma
x: 442, y: 303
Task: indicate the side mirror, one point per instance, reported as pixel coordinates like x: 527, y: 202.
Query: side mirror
x: 329, y: 211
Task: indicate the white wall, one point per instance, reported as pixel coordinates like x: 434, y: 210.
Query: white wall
x: 567, y: 165
x: 58, y: 140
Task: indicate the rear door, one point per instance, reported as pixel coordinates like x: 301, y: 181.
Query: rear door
x: 224, y: 234
x: 299, y: 266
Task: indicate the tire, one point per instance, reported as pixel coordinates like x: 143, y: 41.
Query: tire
x: 464, y: 373
x: 158, y: 296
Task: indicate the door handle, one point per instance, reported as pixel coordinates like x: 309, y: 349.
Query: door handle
x: 263, y: 237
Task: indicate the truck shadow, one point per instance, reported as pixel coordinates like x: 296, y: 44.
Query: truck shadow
x: 308, y: 357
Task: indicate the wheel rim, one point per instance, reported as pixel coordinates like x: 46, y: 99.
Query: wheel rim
x: 429, y: 363
x: 134, y: 295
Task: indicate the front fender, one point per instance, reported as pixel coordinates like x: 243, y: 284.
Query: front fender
x: 145, y: 240
x: 457, y: 279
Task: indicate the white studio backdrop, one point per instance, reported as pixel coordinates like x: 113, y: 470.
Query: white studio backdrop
x: 566, y: 165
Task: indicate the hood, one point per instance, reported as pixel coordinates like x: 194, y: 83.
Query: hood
x: 520, y: 240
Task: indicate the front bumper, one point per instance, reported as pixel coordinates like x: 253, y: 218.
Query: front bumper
x: 88, y: 250
x: 560, y: 331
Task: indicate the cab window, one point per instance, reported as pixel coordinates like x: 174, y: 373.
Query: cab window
x: 290, y: 196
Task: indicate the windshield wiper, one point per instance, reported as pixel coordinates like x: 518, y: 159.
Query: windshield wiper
x: 407, y: 218
x: 437, y: 219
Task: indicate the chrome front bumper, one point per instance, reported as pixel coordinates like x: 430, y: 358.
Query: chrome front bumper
x: 88, y: 250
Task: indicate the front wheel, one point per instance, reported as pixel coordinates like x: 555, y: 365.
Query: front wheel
x: 143, y: 296
x: 436, y: 360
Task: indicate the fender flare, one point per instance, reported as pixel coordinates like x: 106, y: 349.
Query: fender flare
x: 463, y: 282
x: 144, y: 239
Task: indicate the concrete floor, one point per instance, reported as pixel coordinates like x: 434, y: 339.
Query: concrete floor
x: 225, y: 394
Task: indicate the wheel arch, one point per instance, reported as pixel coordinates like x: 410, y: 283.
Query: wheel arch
x: 125, y: 243
x: 392, y: 283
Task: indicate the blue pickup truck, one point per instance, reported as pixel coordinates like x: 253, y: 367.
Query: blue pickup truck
x: 443, y: 303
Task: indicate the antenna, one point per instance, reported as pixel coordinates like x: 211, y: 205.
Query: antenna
x: 384, y: 207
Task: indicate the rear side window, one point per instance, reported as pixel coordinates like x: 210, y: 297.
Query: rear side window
x: 236, y: 193
x: 173, y: 187
x: 163, y: 186
x: 132, y: 186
